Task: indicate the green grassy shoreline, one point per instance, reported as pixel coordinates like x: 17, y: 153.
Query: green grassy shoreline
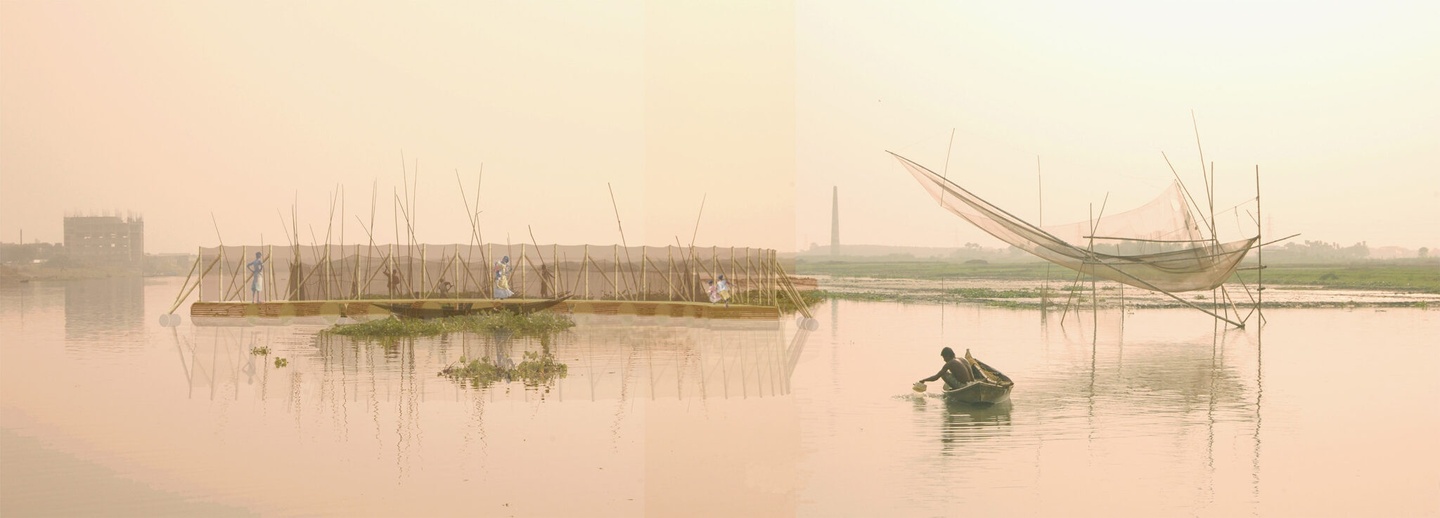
x: 1414, y: 276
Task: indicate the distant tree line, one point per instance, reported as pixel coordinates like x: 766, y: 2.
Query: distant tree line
x: 1317, y: 251
x: 54, y: 255
x: 17, y: 253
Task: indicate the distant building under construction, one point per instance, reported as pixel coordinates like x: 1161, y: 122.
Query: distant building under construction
x: 110, y: 241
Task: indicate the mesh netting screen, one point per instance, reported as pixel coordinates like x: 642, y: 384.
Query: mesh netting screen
x: 1156, y: 246
x: 601, y: 272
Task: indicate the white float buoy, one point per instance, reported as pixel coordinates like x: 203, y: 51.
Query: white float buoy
x: 809, y: 324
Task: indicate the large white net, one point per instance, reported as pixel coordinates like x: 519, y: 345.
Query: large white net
x: 1157, y: 246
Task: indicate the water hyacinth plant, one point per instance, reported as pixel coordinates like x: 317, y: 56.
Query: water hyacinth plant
x: 535, y: 370
x: 525, y: 324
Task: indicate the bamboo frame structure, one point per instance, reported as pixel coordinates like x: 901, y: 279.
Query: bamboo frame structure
x: 313, y: 274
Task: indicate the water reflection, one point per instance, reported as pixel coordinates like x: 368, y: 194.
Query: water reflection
x: 965, y: 423
x: 98, y: 309
x: 668, y: 417
x: 649, y: 383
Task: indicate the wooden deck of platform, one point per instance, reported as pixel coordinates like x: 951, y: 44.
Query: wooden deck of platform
x: 328, y: 311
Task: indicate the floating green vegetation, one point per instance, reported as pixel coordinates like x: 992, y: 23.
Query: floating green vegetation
x: 281, y: 362
x: 519, y: 323
x: 260, y: 351
x: 1010, y: 304
x: 535, y: 370
x: 868, y: 296
x: 480, y: 373
x: 989, y: 293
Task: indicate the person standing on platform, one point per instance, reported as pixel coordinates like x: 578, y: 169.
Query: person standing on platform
x: 257, y: 277
x: 502, y: 279
x: 723, y: 288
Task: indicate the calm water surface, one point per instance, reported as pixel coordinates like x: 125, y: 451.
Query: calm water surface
x: 1147, y: 413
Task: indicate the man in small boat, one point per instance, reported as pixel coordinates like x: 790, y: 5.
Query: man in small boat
x: 955, y: 372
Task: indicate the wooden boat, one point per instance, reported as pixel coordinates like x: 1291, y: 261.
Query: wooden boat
x: 993, y: 387
x: 428, y: 309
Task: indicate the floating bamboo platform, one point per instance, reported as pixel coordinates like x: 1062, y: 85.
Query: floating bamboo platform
x: 332, y: 311
x: 312, y: 286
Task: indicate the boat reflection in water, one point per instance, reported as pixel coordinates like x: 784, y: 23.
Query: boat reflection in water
x: 656, y: 414
x: 967, y: 422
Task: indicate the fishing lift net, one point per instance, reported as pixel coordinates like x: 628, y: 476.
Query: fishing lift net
x: 1157, y: 246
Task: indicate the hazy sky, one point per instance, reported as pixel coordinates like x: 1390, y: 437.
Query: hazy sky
x: 177, y: 110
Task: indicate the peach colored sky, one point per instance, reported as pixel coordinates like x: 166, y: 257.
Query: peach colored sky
x: 177, y: 110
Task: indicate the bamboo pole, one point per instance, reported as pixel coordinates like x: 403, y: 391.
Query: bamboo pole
x: 522, y: 271
x: 342, y: 238
x: 792, y: 292
x: 1183, y: 188
x: 1260, y: 254
x: 601, y: 272
x: 670, y: 273
x: 616, y: 284
x: 770, y: 267
x: 657, y: 269
x: 644, y: 283
x: 270, y: 263
x: 764, y: 285
x: 730, y: 283
x: 355, y: 287
x: 585, y: 265
x: 193, y: 268
x: 622, y: 240
x: 749, y: 284
x: 197, y: 284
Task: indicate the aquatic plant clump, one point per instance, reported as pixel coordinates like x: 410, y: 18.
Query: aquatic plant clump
x: 535, y: 370
x: 522, y: 324
x: 539, y: 369
x: 480, y: 373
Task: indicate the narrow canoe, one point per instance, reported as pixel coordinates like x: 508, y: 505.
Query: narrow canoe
x: 993, y: 388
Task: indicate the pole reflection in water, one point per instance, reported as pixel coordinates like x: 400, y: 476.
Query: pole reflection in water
x: 633, y: 403
x: 681, y: 417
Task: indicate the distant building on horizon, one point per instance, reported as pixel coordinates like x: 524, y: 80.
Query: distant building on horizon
x: 109, y: 241
x: 835, y: 221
